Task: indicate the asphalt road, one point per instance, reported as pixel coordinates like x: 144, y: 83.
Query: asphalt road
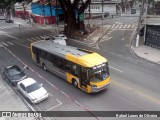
x: 135, y: 82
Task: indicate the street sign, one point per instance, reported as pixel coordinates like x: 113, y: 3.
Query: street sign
x: 81, y: 17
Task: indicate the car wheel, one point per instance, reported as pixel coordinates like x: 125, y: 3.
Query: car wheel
x: 44, y: 66
x: 75, y: 83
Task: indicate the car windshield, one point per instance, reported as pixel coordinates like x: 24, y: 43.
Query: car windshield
x: 33, y: 87
x: 14, y: 70
x: 98, y: 74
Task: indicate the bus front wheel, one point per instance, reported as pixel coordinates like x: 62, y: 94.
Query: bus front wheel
x: 75, y: 83
x: 44, y: 66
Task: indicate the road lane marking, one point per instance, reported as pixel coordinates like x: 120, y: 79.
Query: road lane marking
x: 1, y: 45
x: 30, y: 40
x: 133, y: 26
x: 4, y: 44
x: 3, y: 27
x: 11, y: 36
x: 59, y: 103
x: 10, y: 43
x: 116, y: 27
x: 129, y: 58
x: 116, y: 69
x: 105, y: 39
x: 120, y: 26
x: 37, y: 38
x: 22, y: 45
x: 124, y: 26
x: 50, y: 94
x: 128, y: 19
x: 64, y: 94
x: 33, y: 39
x: 128, y: 26
x: 113, y: 26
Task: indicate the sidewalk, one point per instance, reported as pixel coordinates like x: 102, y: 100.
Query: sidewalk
x: 22, y: 22
x: 148, y: 53
x: 143, y: 51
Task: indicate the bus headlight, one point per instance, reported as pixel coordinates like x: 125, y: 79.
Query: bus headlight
x: 93, y: 85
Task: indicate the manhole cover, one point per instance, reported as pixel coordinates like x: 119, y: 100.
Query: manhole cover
x: 145, y: 53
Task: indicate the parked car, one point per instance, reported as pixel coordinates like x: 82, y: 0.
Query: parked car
x: 106, y: 14
x: 2, y: 17
x: 8, y: 21
x: 13, y: 74
x: 133, y: 11
x: 45, y: 38
x: 32, y: 90
x: 60, y: 36
x: 60, y: 41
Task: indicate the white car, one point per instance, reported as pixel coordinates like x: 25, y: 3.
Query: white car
x: 60, y: 36
x: 32, y: 90
x: 60, y: 41
x: 45, y: 38
x: 2, y: 17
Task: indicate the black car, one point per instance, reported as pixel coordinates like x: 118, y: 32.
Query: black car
x: 133, y: 11
x: 13, y: 74
x: 8, y: 21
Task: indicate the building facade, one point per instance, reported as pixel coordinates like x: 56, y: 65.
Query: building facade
x: 105, y: 6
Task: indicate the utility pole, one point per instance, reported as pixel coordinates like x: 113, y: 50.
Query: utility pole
x: 89, y: 11
x: 56, y: 31
x: 102, y: 13
x: 44, y: 14
x: 102, y: 9
x: 139, y: 23
x: 50, y: 10
x: 24, y: 10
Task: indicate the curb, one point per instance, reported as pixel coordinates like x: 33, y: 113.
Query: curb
x: 133, y: 52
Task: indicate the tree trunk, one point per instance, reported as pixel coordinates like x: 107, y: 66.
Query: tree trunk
x: 72, y: 12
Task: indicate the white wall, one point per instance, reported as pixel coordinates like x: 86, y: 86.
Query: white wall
x: 97, y: 8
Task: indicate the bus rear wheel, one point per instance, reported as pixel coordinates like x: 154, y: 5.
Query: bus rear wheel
x: 75, y: 83
x: 44, y: 67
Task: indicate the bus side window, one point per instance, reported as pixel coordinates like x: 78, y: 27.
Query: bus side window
x: 43, y: 54
x: 54, y: 60
x: 60, y: 63
x: 49, y: 57
x: 67, y: 66
x: 74, y: 69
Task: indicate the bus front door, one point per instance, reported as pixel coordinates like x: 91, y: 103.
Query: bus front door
x: 83, y: 77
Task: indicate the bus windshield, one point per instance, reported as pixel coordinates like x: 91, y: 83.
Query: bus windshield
x: 99, y: 73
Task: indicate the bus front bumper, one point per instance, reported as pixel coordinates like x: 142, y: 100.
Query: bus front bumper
x: 97, y: 89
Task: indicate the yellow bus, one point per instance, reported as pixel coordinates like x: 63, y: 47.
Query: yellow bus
x: 84, y: 69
